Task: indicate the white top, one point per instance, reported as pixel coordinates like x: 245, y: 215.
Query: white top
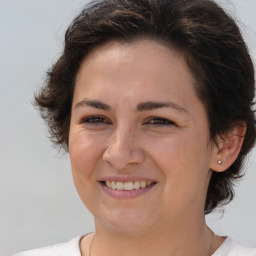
x: 228, y: 248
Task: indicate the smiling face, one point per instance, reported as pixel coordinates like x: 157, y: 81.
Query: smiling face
x: 139, y: 138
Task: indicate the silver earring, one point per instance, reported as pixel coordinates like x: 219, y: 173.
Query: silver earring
x: 219, y: 162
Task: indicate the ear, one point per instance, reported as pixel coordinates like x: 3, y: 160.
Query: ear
x: 228, y: 148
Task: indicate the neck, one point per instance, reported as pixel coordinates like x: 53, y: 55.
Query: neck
x: 186, y: 239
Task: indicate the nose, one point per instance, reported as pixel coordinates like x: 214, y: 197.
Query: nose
x: 122, y: 150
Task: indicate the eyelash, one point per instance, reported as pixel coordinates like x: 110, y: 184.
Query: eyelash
x: 94, y: 120
x: 160, y: 121
x: 155, y: 121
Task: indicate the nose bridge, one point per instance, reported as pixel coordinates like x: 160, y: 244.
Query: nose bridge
x: 122, y: 149
x: 121, y: 141
x: 123, y: 137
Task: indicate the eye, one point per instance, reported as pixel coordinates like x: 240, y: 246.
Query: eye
x: 95, y: 120
x: 158, y: 121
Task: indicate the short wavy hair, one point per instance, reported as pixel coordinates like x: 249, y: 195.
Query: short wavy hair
x: 201, y: 31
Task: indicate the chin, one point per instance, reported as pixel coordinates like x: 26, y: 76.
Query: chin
x: 126, y: 221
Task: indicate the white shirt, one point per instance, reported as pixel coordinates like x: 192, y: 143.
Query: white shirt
x: 228, y: 248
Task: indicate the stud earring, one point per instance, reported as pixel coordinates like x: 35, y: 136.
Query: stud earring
x: 219, y: 162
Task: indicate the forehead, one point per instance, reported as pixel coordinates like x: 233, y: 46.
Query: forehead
x: 143, y: 68
x: 139, y: 51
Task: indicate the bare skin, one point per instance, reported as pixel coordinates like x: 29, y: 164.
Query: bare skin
x: 116, y: 133
x: 87, y: 243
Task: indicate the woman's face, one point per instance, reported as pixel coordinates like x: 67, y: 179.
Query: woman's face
x: 137, y: 121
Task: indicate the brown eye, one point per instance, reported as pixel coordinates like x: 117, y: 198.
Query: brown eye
x: 160, y: 121
x: 95, y: 120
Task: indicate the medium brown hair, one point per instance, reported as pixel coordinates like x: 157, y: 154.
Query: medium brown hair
x: 201, y: 31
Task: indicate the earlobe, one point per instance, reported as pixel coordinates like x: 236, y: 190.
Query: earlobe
x: 228, y: 148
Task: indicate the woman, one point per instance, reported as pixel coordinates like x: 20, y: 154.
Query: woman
x: 153, y: 101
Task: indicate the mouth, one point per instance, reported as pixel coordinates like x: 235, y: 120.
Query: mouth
x: 127, y: 186
x: 126, y: 189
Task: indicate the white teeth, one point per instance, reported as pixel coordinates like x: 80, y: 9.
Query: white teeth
x: 119, y: 185
x: 113, y: 185
x: 136, y: 184
x: 143, y: 184
x: 127, y: 185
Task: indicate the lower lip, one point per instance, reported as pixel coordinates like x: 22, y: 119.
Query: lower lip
x: 126, y: 193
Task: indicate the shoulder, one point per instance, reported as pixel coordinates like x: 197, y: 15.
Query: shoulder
x: 64, y: 249
x: 237, y: 249
x: 233, y: 248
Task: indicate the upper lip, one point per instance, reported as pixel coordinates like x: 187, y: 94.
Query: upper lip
x: 126, y: 178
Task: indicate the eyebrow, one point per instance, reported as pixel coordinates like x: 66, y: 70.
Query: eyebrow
x: 143, y: 106
x: 150, y: 105
x: 94, y: 104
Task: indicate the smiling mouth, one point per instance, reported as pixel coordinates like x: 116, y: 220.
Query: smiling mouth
x: 127, y: 186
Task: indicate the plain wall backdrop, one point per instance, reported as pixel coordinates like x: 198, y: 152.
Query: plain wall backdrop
x: 38, y: 202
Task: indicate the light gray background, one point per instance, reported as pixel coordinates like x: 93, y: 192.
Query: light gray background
x: 38, y: 202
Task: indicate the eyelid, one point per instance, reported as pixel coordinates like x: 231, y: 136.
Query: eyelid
x: 102, y: 120
x: 85, y: 120
x: 165, y: 121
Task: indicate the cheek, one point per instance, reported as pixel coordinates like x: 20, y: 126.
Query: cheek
x: 183, y: 161
x: 84, y: 152
x: 173, y: 152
